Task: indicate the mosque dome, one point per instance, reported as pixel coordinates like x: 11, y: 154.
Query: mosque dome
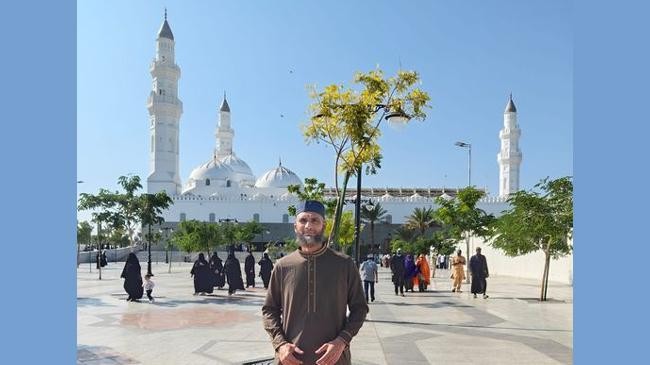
x: 279, y: 177
x: 241, y: 172
x: 213, y: 170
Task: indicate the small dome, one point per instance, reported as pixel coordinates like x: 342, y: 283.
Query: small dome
x: 242, y: 172
x: 279, y: 177
x: 386, y: 196
x: 446, y: 196
x: 212, y: 169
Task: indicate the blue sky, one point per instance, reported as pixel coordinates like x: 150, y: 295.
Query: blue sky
x: 470, y: 56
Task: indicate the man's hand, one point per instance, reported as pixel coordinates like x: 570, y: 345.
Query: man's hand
x: 332, y: 351
x: 285, y: 354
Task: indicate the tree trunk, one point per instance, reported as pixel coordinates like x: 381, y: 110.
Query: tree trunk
x: 547, y: 269
x: 543, y: 289
x: 334, y: 235
x: 547, y: 263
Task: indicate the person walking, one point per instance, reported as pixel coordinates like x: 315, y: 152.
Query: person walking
x: 397, y: 270
x: 310, y: 294
x: 249, y: 268
x: 369, y: 276
x: 422, y: 279
x: 216, y: 268
x: 132, y: 278
x: 203, y: 281
x: 410, y: 271
x: 479, y: 270
x: 458, y: 271
x: 233, y: 273
x: 148, y: 286
x: 266, y: 266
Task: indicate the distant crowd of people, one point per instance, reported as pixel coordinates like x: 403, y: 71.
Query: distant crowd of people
x: 206, y: 275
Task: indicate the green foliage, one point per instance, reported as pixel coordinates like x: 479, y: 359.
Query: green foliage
x: 120, y: 211
x: 246, y: 232
x: 443, y: 243
x: 348, y: 121
x: 313, y: 190
x: 84, y: 230
x: 420, y: 220
x: 538, y: 220
x: 405, y: 233
x: 460, y: 216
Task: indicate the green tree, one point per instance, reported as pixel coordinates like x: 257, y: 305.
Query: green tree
x: 127, y: 203
x: 372, y: 214
x: 150, y: 208
x: 246, y: 232
x: 348, y: 121
x: 84, y: 232
x: 346, y: 232
x: 538, y: 220
x: 462, y: 219
x: 420, y: 220
x: 186, y: 236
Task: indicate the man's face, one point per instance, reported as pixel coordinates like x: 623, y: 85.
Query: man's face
x: 309, y: 229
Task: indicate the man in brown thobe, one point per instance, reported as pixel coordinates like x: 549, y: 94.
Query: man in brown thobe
x: 309, y: 293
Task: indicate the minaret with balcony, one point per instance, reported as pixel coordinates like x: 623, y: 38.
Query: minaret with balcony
x: 165, y: 111
x: 509, y: 158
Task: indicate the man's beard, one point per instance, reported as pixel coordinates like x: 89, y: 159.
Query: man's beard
x: 309, y: 241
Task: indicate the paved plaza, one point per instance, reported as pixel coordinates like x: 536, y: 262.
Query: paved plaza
x: 435, y: 327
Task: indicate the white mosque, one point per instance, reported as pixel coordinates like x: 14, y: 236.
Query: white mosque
x: 224, y: 188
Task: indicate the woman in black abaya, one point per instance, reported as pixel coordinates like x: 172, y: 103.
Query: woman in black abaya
x: 132, y: 278
x: 203, y: 279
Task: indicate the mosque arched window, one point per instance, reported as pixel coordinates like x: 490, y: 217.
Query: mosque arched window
x: 228, y: 183
x: 207, y: 182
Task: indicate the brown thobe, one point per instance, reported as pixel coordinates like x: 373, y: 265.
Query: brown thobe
x: 307, y: 302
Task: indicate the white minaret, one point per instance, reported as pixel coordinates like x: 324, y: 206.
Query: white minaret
x: 509, y: 158
x: 224, y: 133
x: 165, y: 111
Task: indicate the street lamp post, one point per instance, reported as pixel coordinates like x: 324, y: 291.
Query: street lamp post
x: 469, y: 184
x: 149, y: 252
x: 166, y: 230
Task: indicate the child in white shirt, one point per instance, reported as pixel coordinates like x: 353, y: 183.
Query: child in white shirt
x: 148, y: 286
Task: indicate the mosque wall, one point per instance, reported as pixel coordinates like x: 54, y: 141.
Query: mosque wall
x: 529, y: 266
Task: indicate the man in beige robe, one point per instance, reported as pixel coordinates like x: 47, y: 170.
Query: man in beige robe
x: 310, y: 291
x: 457, y: 271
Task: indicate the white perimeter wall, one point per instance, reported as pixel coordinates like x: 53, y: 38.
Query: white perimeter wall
x: 528, y: 266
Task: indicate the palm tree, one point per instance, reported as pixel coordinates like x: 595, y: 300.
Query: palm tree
x: 421, y: 219
x: 372, y: 214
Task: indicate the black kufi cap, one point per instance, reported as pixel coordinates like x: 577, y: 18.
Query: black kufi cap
x: 313, y: 206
